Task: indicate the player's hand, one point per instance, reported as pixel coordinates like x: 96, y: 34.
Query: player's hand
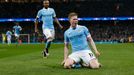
x: 36, y: 30
x: 61, y: 27
x: 97, y: 53
x: 20, y: 29
x: 63, y: 62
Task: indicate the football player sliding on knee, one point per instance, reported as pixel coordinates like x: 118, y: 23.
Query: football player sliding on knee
x: 79, y: 36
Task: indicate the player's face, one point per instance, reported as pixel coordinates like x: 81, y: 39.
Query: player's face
x: 74, y: 21
x: 46, y: 4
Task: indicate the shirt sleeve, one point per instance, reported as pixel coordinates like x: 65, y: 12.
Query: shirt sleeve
x: 66, y: 39
x: 39, y: 14
x: 54, y: 14
x: 20, y: 28
x: 86, y: 31
x: 11, y: 33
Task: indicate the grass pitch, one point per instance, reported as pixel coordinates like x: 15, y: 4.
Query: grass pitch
x: 26, y: 59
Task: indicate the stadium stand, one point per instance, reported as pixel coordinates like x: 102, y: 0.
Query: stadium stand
x: 105, y: 31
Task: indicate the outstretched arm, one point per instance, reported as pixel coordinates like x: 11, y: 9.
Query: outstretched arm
x: 57, y: 21
x: 36, y: 24
x: 20, y: 28
x: 66, y: 48
x: 93, y: 46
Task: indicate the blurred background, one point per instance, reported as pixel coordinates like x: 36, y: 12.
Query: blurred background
x: 105, y: 30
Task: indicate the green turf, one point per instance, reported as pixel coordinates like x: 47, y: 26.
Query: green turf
x: 117, y: 59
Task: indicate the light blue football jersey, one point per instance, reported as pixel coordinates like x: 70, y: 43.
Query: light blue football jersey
x: 46, y: 15
x: 17, y: 29
x: 77, y: 37
x: 8, y: 33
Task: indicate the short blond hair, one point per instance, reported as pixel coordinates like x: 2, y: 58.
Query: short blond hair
x: 72, y: 14
x: 44, y: 0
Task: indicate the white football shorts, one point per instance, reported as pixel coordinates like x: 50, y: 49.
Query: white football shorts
x: 84, y: 55
x: 16, y: 35
x: 49, y: 33
x: 8, y: 38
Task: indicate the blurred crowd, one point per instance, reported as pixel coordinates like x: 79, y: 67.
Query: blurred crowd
x: 105, y: 31
x: 112, y: 32
x: 101, y: 31
x: 85, y: 8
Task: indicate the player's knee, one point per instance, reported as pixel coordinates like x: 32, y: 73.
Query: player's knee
x: 95, y: 66
x: 50, y: 39
x: 67, y: 66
